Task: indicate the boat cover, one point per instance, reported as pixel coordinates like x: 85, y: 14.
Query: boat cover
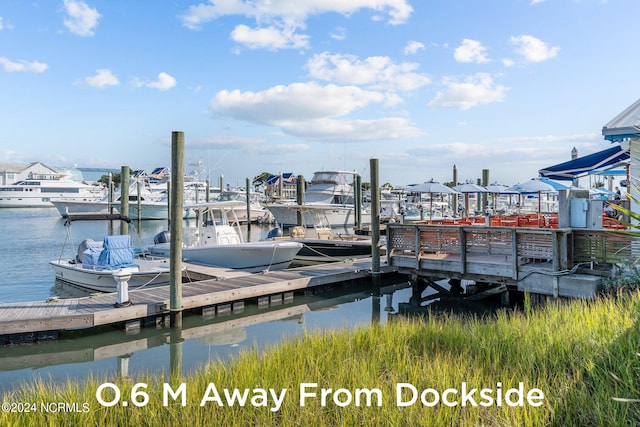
x: 88, y: 253
x: 117, y: 252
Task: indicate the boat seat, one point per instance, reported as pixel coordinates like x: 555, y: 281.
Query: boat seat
x: 298, y: 232
x: 325, y: 234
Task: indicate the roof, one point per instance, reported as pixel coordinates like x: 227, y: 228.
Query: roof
x: 286, y: 177
x: 624, y: 125
x: 19, y: 167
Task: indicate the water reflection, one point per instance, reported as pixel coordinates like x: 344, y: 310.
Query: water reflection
x: 110, y: 353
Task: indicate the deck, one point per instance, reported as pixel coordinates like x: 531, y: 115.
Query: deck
x: 38, y: 320
x: 565, y: 262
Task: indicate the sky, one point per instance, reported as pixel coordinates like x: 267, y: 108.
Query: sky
x: 257, y: 86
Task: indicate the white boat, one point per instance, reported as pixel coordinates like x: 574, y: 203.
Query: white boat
x: 216, y: 242
x: 96, y: 264
x: 67, y: 206
x: 151, y: 202
x: 321, y: 243
x: 330, y: 193
x: 235, y: 201
x: 40, y: 190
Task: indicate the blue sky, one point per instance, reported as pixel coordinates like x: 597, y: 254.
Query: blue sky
x: 298, y: 86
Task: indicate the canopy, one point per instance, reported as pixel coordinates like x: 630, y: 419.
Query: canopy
x: 534, y: 185
x: 470, y: 188
x: 431, y: 187
x: 582, y: 166
x: 624, y: 125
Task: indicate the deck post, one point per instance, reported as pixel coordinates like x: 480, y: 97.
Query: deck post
x: 175, y: 248
x: 375, y: 217
x: 124, y: 198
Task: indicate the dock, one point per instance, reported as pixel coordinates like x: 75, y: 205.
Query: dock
x: 544, y: 262
x: 212, y: 291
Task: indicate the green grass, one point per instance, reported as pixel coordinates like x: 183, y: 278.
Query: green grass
x: 582, y: 355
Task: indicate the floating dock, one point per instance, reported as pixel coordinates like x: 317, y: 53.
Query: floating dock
x: 214, y: 291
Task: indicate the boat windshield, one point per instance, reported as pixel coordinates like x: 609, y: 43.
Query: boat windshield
x: 331, y: 178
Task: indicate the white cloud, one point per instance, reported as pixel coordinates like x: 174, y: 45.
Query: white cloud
x: 103, y: 78
x: 278, y: 20
x: 339, y: 33
x: 269, y: 38
x: 413, y: 47
x: 5, y: 26
x: 536, y: 2
x: 475, y: 90
x: 313, y: 111
x: 164, y: 82
x: 374, y: 71
x: 264, y: 10
x: 81, y: 19
x: 471, y: 51
x: 532, y: 49
x: 22, y: 66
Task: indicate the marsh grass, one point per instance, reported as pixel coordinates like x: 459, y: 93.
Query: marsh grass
x: 582, y: 355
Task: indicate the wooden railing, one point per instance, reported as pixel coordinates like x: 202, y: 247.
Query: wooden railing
x: 503, y: 251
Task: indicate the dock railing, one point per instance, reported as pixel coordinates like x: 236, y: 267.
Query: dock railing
x: 503, y: 252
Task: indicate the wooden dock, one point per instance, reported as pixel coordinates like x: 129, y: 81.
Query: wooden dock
x: 214, y: 290
x: 551, y: 262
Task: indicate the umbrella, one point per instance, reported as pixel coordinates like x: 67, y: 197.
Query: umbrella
x: 467, y: 188
x: 432, y: 187
x: 499, y: 189
x: 496, y: 189
x: 533, y: 186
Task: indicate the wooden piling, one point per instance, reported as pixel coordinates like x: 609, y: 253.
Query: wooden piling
x: 248, y: 193
x: 175, y: 249
x: 357, y: 200
x: 299, y: 196
x: 124, y: 198
x: 375, y: 217
x: 139, y: 199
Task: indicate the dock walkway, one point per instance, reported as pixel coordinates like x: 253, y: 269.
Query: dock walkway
x: 38, y: 320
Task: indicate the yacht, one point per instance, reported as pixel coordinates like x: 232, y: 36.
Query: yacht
x: 41, y: 189
x: 330, y: 192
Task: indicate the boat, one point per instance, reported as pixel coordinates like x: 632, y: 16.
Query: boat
x: 330, y: 193
x: 217, y: 242
x: 321, y: 243
x: 96, y: 264
x: 151, y: 201
x: 41, y: 189
x: 236, y: 201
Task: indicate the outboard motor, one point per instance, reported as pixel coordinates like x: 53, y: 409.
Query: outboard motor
x: 273, y: 233
x: 162, y: 237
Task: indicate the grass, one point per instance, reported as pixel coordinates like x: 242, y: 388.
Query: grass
x: 582, y: 355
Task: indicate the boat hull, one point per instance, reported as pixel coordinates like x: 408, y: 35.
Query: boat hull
x: 316, y: 251
x: 337, y: 216
x: 252, y: 256
x: 152, y: 273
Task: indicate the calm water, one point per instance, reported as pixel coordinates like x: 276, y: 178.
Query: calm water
x: 33, y: 237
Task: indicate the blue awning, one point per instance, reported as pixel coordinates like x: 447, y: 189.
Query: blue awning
x: 582, y: 166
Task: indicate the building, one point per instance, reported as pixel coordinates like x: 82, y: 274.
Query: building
x: 14, y: 172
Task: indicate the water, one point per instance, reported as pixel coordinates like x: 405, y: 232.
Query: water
x: 33, y: 237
